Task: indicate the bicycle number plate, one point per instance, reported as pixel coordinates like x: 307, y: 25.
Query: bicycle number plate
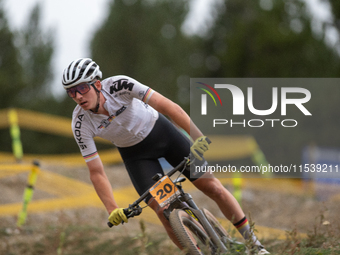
x: 164, y: 191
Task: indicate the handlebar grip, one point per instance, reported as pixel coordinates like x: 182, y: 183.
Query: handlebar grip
x: 126, y: 212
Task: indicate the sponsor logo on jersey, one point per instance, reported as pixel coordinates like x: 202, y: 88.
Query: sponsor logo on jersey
x: 105, y: 123
x: 122, y: 84
x: 77, y: 132
x: 141, y: 94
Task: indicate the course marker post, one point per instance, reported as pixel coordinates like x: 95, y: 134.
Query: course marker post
x: 15, y: 134
x: 28, y: 193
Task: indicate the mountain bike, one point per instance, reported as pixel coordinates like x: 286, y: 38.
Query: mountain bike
x: 197, y: 230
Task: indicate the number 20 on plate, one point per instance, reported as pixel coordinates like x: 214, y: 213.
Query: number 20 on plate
x: 163, y: 190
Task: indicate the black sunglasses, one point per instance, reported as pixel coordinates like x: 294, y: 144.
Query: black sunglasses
x: 81, y: 89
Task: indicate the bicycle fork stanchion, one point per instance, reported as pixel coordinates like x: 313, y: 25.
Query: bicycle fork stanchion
x: 15, y: 134
x: 216, y: 240
x: 193, y: 208
x: 28, y: 193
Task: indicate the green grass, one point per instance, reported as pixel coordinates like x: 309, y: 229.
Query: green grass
x: 323, y: 239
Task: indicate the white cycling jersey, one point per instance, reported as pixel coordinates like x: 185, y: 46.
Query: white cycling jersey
x: 130, y: 119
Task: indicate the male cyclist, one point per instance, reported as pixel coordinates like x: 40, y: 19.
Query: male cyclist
x: 131, y: 116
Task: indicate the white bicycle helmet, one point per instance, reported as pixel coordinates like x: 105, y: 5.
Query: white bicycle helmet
x: 80, y: 71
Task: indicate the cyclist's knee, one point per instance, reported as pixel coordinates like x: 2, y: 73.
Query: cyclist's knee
x: 158, y: 210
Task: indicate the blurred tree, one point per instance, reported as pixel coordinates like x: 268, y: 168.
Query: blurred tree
x: 36, y: 51
x: 268, y: 38
x: 11, y: 81
x: 335, y: 8
x: 25, y: 59
x: 335, y: 11
x: 143, y: 39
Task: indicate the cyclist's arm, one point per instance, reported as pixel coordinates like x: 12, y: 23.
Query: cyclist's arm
x: 101, y: 184
x: 175, y: 112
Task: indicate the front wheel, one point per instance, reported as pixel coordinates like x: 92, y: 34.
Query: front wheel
x: 190, y: 233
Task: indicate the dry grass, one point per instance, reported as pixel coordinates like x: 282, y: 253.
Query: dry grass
x: 64, y: 236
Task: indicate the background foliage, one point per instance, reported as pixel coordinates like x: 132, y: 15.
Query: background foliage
x: 145, y: 40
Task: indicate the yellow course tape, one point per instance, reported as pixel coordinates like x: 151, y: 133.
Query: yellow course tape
x: 15, y: 168
x: 230, y: 147
x: 110, y: 156
x: 9, y: 170
x: 41, y: 122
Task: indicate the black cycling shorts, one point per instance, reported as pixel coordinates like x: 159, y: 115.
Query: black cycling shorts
x: 164, y: 141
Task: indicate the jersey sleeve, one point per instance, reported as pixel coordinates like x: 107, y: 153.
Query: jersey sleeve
x: 84, y: 138
x: 147, y: 95
x: 142, y: 92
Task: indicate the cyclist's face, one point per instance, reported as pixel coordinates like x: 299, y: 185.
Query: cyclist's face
x: 86, y: 100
